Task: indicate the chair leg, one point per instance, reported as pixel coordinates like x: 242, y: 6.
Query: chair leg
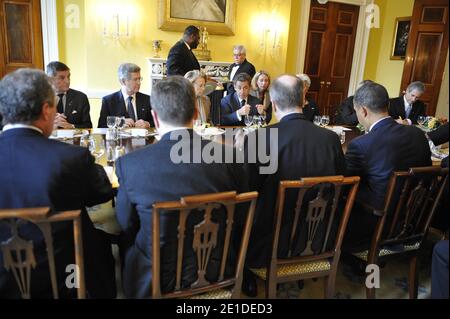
x: 413, y: 278
x: 330, y: 283
x: 271, y: 288
x: 370, y: 293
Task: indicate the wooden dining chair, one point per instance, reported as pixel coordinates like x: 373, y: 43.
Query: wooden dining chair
x: 411, y: 200
x: 206, y: 236
x: 313, y: 237
x: 18, y: 252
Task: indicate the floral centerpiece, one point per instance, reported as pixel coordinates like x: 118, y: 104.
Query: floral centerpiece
x: 432, y: 123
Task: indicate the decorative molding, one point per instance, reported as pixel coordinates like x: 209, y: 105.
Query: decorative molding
x: 49, y: 31
x: 215, y: 70
x: 361, y: 41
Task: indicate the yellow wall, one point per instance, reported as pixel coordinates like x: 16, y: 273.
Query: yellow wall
x: 379, y: 66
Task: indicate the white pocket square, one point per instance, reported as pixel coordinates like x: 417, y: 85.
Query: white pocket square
x: 74, y: 112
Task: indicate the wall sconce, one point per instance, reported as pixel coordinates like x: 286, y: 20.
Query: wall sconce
x: 116, y: 26
x: 271, y: 36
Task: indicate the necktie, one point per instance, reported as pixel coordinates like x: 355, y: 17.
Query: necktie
x: 60, y: 106
x: 408, y: 110
x: 243, y: 102
x: 130, y: 109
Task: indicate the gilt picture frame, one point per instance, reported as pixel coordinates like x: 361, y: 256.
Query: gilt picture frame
x: 218, y: 16
x: 401, y: 35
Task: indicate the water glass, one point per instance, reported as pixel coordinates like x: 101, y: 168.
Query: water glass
x: 325, y: 120
x: 318, y: 120
x: 97, y: 148
x: 111, y: 121
x: 342, y: 136
x: 421, y: 120
x: 248, y: 120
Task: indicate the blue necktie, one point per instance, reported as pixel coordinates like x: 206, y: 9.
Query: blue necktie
x: 408, y: 110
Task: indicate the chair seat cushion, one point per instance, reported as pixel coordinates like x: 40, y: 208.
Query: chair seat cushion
x: 215, y: 294
x: 386, y: 251
x: 295, y: 269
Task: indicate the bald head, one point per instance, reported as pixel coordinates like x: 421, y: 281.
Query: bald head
x: 287, y: 92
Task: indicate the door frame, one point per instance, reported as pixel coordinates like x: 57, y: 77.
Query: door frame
x: 49, y: 23
x: 361, y: 41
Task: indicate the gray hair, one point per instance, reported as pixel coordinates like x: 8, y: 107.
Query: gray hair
x: 372, y: 95
x: 305, y: 78
x: 287, y: 92
x: 240, y: 48
x: 193, y: 75
x: 173, y: 99
x: 417, y: 85
x: 22, y: 95
x: 56, y: 66
x: 125, y: 69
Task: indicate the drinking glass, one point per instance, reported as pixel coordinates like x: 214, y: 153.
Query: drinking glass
x: 97, y: 148
x: 84, y: 141
x: 342, y: 136
x: 421, y: 120
x: 325, y: 120
x: 248, y: 120
x: 111, y: 121
x: 318, y: 120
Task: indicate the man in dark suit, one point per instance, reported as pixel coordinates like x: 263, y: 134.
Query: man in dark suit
x: 304, y: 150
x: 128, y: 102
x: 181, y: 59
x: 407, y: 108
x: 39, y: 172
x: 240, y: 65
x: 234, y: 107
x: 388, y: 146
x: 345, y: 113
x: 72, y: 106
x: 142, y: 183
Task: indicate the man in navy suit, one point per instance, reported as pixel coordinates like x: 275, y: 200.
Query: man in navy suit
x: 128, y: 102
x: 388, y: 146
x: 72, y: 106
x: 142, y: 183
x: 240, y: 65
x: 304, y: 150
x: 407, y: 108
x: 181, y: 59
x: 234, y: 107
x: 39, y: 172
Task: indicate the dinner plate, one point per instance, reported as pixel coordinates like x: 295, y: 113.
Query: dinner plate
x: 136, y: 132
x: 68, y: 134
x: 212, y: 131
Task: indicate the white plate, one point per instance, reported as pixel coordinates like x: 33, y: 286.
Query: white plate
x: 136, y: 132
x: 212, y: 131
x: 68, y: 134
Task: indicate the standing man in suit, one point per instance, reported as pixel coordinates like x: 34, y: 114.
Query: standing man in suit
x: 128, y: 102
x: 173, y: 101
x: 304, y: 150
x: 388, y: 146
x: 406, y: 109
x: 72, y: 106
x: 234, y: 107
x: 39, y: 172
x: 240, y: 65
x: 181, y: 59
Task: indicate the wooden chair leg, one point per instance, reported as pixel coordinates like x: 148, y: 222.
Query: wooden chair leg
x: 271, y: 288
x: 370, y: 293
x: 413, y: 278
x: 330, y: 283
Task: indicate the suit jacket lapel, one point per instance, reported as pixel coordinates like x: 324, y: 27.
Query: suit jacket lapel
x: 69, y: 104
x: 121, y: 107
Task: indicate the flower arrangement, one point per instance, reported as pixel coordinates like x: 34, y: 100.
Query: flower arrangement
x: 433, y: 123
